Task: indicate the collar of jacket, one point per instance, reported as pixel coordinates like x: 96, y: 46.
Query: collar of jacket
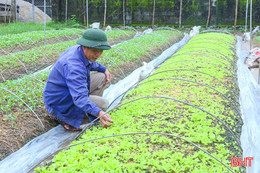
x: 83, y: 57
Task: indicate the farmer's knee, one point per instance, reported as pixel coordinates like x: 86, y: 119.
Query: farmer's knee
x: 104, y: 104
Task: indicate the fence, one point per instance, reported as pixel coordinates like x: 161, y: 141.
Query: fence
x: 166, y: 12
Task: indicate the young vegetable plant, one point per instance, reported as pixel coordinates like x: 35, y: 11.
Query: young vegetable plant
x: 187, y: 104
x: 29, y: 88
x: 29, y: 61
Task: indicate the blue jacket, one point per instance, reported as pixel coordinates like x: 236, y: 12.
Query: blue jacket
x: 67, y: 88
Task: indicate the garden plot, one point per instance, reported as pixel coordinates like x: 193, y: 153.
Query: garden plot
x: 20, y: 27
x: 183, y: 118
x: 21, y: 99
x: 15, y: 42
x: 11, y: 43
x: 15, y: 65
x: 131, y: 55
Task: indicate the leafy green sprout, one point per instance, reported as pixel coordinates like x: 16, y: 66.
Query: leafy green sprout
x: 150, y: 115
x: 30, y: 88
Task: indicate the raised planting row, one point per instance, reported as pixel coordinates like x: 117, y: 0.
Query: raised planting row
x: 19, y: 27
x: 18, y: 98
x: 30, y: 38
x: 11, y: 43
x: 13, y: 65
x: 182, y: 121
x: 22, y: 87
x: 135, y: 51
x: 16, y: 64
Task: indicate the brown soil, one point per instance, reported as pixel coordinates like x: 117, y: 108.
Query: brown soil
x: 15, y: 134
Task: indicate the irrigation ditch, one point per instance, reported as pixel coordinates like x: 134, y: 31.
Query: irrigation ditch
x: 22, y: 87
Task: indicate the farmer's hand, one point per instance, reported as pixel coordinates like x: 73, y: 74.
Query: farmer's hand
x: 104, y: 119
x: 108, y: 76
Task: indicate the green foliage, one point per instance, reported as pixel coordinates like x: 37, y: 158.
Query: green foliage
x: 157, y: 153
x: 47, y: 53
x: 30, y: 38
x: 19, y: 27
x: 30, y: 88
x: 73, y: 20
x: 137, y: 48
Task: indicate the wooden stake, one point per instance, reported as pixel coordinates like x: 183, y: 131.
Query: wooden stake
x: 208, y: 15
x: 13, y: 10
x: 153, y: 13
x: 180, y: 13
x: 235, y: 23
x: 83, y: 1
x: 124, y: 12
x: 105, y: 13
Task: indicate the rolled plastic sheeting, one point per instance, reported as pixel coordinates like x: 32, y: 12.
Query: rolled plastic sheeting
x: 249, y: 103
x: 38, y: 149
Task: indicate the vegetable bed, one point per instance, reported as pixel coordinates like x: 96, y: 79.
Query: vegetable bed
x: 18, y: 98
x: 30, y: 38
x: 30, y: 88
x: 189, y: 102
x: 20, y: 27
x: 17, y: 64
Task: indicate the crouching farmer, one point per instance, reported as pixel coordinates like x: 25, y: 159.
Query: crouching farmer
x: 71, y: 92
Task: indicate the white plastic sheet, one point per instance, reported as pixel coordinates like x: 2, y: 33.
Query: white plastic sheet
x: 95, y: 25
x: 148, y: 31
x: 249, y: 101
x: 195, y: 31
x: 108, y: 28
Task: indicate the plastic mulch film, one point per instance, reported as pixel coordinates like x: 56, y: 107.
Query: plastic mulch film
x: 34, y: 152
x: 249, y: 101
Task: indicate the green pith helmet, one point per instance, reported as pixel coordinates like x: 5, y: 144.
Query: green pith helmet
x: 94, y: 38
